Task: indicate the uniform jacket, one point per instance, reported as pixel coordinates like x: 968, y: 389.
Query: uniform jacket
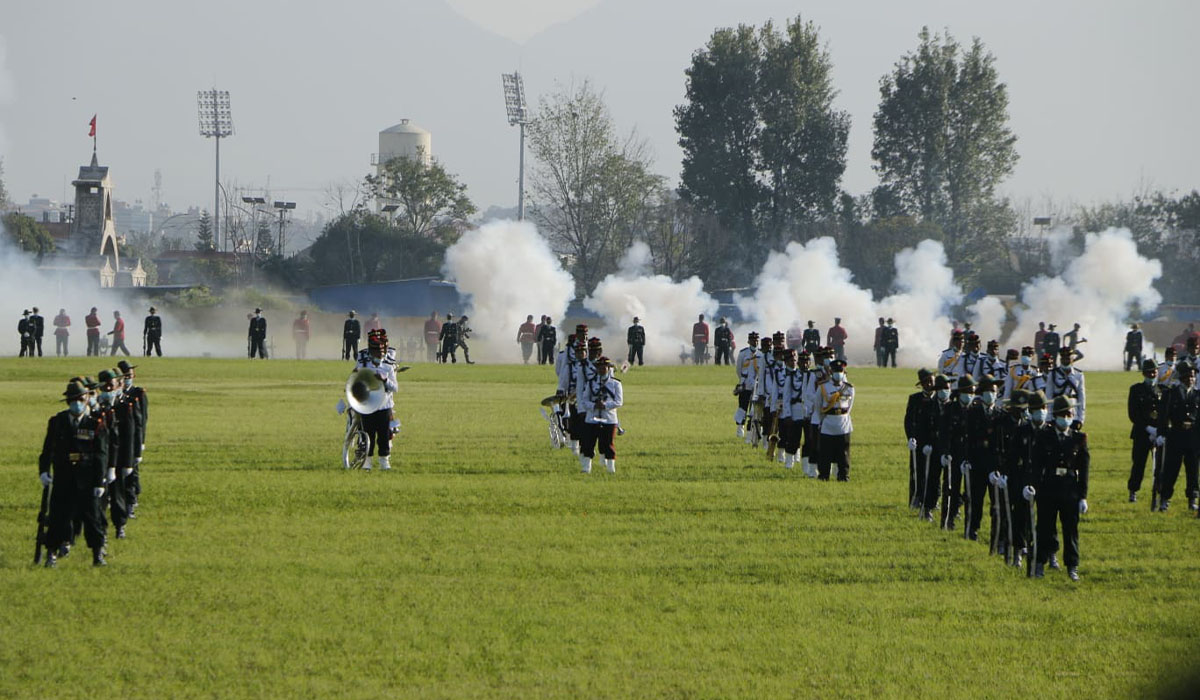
x: 606, y: 391
x: 723, y: 338
x: 891, y: 338
x: 433, y: 330
x: 301, y: 328
x: 76, y: 450
x: 61, y: 322
x: 527, y: 332
x: 812, y: 339
x: 636, y: 335
x: 37, y: 325
x: 836, y: 401
x: 837, y: 336
x: 152, y: 327
x: 351, y: 329
x: 585, y: 372
x: 1143, y: 409
x: 795, y: 337
x: 449, y: 332
x: 700, y: 332
x: 952, y: 430
x: 794, y: 394
x: 1019, y: 378
x: 950, y: 362
x: 1051, y: 343
x: 23, y: 327
x: 547, y: 333
x: 258, y: 327
x: 993, y: 365
x: 1060, y: 463
x: 981, y: 435
x: 92, y: 321
x: 1068, y: 381
x: 746, y: 366
x: 1179, y: 417
x: 136, y: 396
x: 766, y: 364
x: 1133, y: 341
x: 916, y: 424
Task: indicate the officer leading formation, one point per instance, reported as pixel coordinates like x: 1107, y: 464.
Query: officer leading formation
x: 89, y: 466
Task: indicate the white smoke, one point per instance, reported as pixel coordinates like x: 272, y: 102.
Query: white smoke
x: 666, y: 308
x: 506, y: 271
x: 987, y: 318
x: 1095, y: 290
x: 926, y: 291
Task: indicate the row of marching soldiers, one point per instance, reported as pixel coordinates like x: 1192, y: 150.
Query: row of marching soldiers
x: 89, y: 465
x: 586, y: 401
x: 796, y: 412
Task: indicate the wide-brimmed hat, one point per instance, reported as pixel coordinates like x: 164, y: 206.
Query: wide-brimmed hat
x: 74, y: 391
x: 126, y: 368
x: 1062, y: 404
x: 1036, y: 400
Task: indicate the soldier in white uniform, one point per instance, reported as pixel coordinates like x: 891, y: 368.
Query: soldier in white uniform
x: 1167, y: 377
x: 836, y: 398
x: 380, y: 425
x: 603, y: 395
x: 776, y: 385
x: 1067, y: 380
x: 817, y: 377
x: 950, y: 362
x: 746, y: 367
x: 1021, y: 374
x: 792, y: 416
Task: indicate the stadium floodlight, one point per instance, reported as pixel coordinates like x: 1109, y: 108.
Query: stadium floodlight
x: 514, y: 102
x: 216, y: 122
x: 283, y: 208
x: 254, y: 200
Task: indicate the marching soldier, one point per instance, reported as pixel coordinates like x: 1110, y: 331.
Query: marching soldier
x: 776, y: 385
x: 119, y: 413
x: 548, y: 338
x: 1067, y: 380
x: 136, y: 396
x: 837, y: 399
x: 449, y: 339
x: 1041, y: 380
x: 1012, y: 448
x: 152, y: 334
x: 92, y: 321
x: 723, y: 342
x: 257, y: 335
x: 73, y: 464
x: 952, y: 446
x: 380, y: 425
x: 818, y: 377
x: 526, y: 336
x: 351, y: 332
x: 1143, y: 414
x: 1133, y: 346
x: 935, y: 464
x: 811, y: 339
x: 566, y: 368
x: 603, y: 396
x: 916, y: 432
x: 1178, y: 419
x: 37, y: 328
x: 635, y: 338
x: 802, y: 418
x: 747, y: 368
x: 991, y: 363
x: 766, y: 368
x: 1167, y: 376
x: 1061, y: 461
x: 590, y: 350
x: 699, y: 340
x: 981, y: 452
x: 792, y: 414
x: 949, y: 362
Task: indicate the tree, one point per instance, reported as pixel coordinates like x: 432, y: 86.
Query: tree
x: 264, y: 240
x: 590, y: 189
x: 27, y: 234
x: 362, y: 247
x: 942, y: 141
x: 204, y: 233
x: 432, y: 203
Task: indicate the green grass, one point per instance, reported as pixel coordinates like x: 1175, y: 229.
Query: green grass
x: 484, y: 564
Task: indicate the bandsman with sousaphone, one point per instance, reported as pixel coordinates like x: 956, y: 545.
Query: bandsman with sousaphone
x: 603, y: 395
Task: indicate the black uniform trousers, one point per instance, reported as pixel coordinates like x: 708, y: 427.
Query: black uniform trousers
x: 379, y: 433
x: 834, y: 449
x: 1022, y: 528
x: 982, y: 464
x: 789, y: 435
x: 1058, y: 500
x: 808, y: 439
x: 37, y: 341
x: 70, y: 504
x: 576, y: 425
x: 723, y: 353
x: 889, y: 355
x: 1142, y: 446
x: 116, y: 495
x: 1179, y: 453
x: 1133, y: 359
x: 449, y: 347
x: 587, y: 435
x: 916, y: 479
x: 93, y: 344
x: 349, y: 348
x: 598, y: 436
x: 257, y: 346
x: 547, y: 352
x: 933, y: 480
x: 951, y: 491
x: 635, y: 351
x: 153, y: 342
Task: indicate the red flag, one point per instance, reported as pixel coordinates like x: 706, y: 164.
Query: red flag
x: 92, y: 131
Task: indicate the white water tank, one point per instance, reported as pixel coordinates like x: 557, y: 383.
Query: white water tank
x: 404, y: 140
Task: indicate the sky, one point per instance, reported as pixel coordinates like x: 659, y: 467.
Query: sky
x: 1102, y: 94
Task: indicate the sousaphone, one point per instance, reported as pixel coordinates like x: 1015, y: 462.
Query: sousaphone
x: 365, y: 392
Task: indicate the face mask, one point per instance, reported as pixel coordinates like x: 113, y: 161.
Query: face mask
x: 1038, y: 415
x: 610, y: 372
x: 92, y: 401
x: 838, y: 376
x: 1169, y: 362
x: 128, y: 382
x: 1025, y: 360
x: 989, y: 397
x: 1150, y: 381
x: 825, y: 363
x: 76, y: 408
x: 943, y: 394
x: 1061, y: 422
x: 964, y: 399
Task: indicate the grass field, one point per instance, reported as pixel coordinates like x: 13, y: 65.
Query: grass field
x: 484, y: 564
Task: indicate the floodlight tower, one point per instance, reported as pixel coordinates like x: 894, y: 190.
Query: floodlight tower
x: 216, y: 122
x: 283, y: 207
x: 514, y: 102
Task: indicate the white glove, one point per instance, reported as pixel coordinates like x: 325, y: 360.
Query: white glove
x: 127, y: 471
x: 111, y: 476
x: 143, y: 447
x: 927, y: 450
x: 46, y: 478
x: 994, y: 478
x: 1082, y: 506
x: 98, y: 491
x: 1003, y: 483
x: 139, y: 460
x: 1160, y: 441
x: 946, y: 461
x: 912, y: 444
x: 340, y: 406
x: 964, y: 467
x: 1028, y: 492
x: 1151, y: 431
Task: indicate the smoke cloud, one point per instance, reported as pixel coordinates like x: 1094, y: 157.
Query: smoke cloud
x: 666, y: 308
x: 506, y: 271
x: 926, y: 291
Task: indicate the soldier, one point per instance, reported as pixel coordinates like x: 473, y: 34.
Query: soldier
x: 723, y: 342
x: 537, y: 339
x: 635, y: 338
x: 152, y: 334
x: 916, y: 431
x: 811, y: 339
x: 1073, y: 342
x: 136, y: 396
x: 877, y: 345
x: 257, y: 335
x: 981, y: 452
x: 351, y: 332
x: 548, y: 338
x: 1051, y: 343
x: 433, y: 334
x: 526, y: 336
x: 118, y: 335
x: 1039, y: 338
x: 1143, y: 414
x: 1023, y: 470
x: 449, y: 339
x: 747, y: 369
x: 805, y: 433
x: 26, y: 335
x: 589, y: 350
x: 1061, y: 462
x: 972, y: 361
x: 949, y: 362
x: 1178, y: 419
x: 1067, y: 380
x: 990, y: 363
x: 1167, y: 376
x: 699, y: 341
x: 566, y: 368
x: 92, y: 321
x: 37, y: 329
x: 891, y: 343
x: 776, y: 386
x: 1009, y: 477
x: 1133, y: 346
x: 603, y: 396
x: 1040, y: 381
x: 792, y: 413
x: 380, y: 425
x: 837, y: 399
x: 62, y: 322
x: 120, y: 414
x: 819, y: 376
x: 836, y: 339
x: 301, y: 331
x: 75, y: 455
x: 952, y: 448
x: 766, y: 368
x: 464, y: 332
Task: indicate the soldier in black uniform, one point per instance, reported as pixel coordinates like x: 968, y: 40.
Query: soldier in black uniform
x: 23, y: 328
x: 1061, y: 462
x: 1011, y: 442
x: 916, y: 430
x: 258, y: 335
x: 152, y: 334
x: 118, y: 414
x: 449, y: 338
x: 73, y: 464
x: 981, y: 451
x: 723, y: 342
x: 547, y: 338
x: 136, y: 395
x: 952, y: 448
x: 351, y: 332
x: 811, y: 339
x: 1051, y: 343
x: 1178, y: 428
x: 931, y: 429
x: 1133, y: 346
x: 891, y: 343
x: 37, y: 328
x: 635, y: 338
x: 1143, y: 414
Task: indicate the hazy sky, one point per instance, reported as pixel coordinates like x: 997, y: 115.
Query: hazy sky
x: 1103, y: 95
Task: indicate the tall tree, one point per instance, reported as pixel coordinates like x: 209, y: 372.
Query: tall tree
x: 590, y: 189
x: 204, y: 233
x: 432, y: 202
x: 27, y: 234
x: 942, y: 141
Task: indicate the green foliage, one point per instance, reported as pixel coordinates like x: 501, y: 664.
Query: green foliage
x: 252, y: 297
x: 869, y: 249
x: 433, y: 204
x: 4, y: 203
x: 204, y: 233
x: 27, y: 234
x: 261, y: 568
x: 362, y: 247
x: 193, y: 298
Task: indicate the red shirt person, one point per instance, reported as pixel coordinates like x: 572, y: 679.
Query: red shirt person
x: 92, y: 321
x: 699, y: 340
x: 301, y: 331
x: 118, y: 335
x: 836, y: 337
x: 433, y: 329
x: 61, y: 322
x: 526, y: 334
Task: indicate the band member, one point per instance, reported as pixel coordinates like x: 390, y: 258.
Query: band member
x: 916, y: 431
x: 991, y: 363
x: 152, y: 334
x: 811, y: 339
x: 635, y: 338
x: 566, y: 369
x: 136, y: 396
x: 526, y: 337
x: 1067, y: 380
x: 603, y: 396
x: 1061, y: 461
x: 766, y: 368
x: 301, y: 332
x: 1142, y: 407
x: 62, y: 322
x: 351, y: 332
x: 449, y: 339
x: 747, y: 369
x: 1167, y: 376
x: 118, y: 335
x: 950, y: 362
x: 464, y: 332
x: 891, y: 343
x: 723, y: 342
x: 433, y: 334
x: 776, y: 386
x: 972, y: 360
x: 699, y: 340
x: 1021, y: 375
x: 819, y: 376
x: 981, y: 450
x: 23, y: 329
x: 802, y: 415
x: 380, y: 425
x: 547, y: 338
x: 836, y: 339
x: 792, y: 413
x: 589, y: 351
x: 837, y: 399
x: 1178, y: 421
x: 73, y: 465
x: 37, y: 329
x: 92, y: 321
x: 257, y: 335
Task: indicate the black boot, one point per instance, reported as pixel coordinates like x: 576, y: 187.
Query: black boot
x: 51, y: 559
x: 98, y: 557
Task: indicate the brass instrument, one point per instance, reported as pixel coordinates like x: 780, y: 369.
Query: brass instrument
x: 365, y: 392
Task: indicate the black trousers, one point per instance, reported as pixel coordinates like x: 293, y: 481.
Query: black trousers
x: 154, y: 342
x: 1179, y: 454
x: 932, y: 478
x: 981, y: 466
x: 635, y: 351
x: 834, y: 449
x: 448, y: 350
x: 889, y: 354
x: 349, y: 348
x: 118, y: 343
x: 1058, y: 501
x: 257, y: 345
x: 26, y: 347
x: 1133, y: 359
x: 723, y: 354
x: 117, y: 494
x: 576, y: 425
x: 951, y: 491
x: 789, y: 435
x: 1141, y: 450
x: 60, y: 345
x: 69, y: 504
x: 37, y: 341
x: 588, y: 434
x: 379, y: 434
x: 598, y: 436
x: 93, y: 344
x: 880, y: 356
x: 547, y: 352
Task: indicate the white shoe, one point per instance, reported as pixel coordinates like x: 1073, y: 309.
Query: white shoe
x: 385, y: 463
x: 575, y: 446
x: 610, y: 465
x: 741, y: 431
x: 367, y: 463
x: 788, y: 461
x: 586, y: 463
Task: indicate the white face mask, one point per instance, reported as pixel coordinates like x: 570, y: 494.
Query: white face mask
x: 943, y: 394
x: 1025, y: 359
x: 964, y: 399
x: 989, y: 397
x: 838, y: 376
x: 128, y: 382
x: 1062, y: 422
x: 1038, y: 415
x: 76, y: 408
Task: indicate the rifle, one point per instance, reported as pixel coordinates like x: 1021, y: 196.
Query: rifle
x: 42, y: 524
x: 1156, y: 453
